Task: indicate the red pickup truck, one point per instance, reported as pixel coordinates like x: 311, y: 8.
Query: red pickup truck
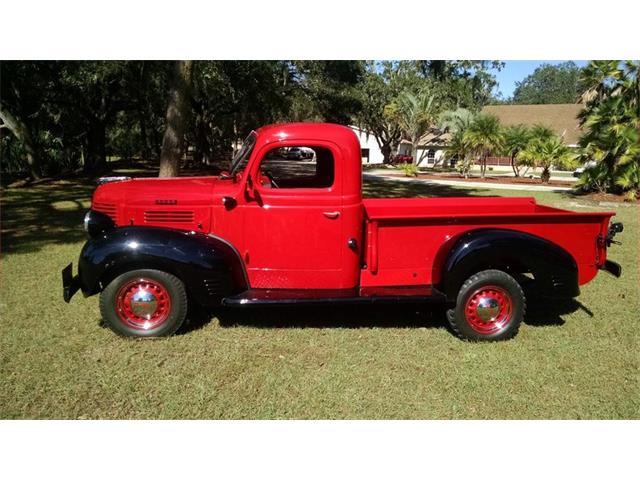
x: 275, y: 231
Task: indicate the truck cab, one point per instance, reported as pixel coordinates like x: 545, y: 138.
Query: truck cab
x: 277, y: 229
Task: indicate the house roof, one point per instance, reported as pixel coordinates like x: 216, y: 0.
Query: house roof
x: 561, y: 118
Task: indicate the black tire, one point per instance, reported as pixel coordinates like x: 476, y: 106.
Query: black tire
x: 486, y: 291
x: 172, y: 295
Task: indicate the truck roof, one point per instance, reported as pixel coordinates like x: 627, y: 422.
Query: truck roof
x: 339, y: 134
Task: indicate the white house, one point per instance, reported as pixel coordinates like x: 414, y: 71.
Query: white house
x: 371, y: 153
x: 430, y: 150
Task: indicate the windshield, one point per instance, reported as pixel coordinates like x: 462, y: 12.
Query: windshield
x: 242, y: 156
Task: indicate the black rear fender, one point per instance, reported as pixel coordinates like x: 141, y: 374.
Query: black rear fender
x: 209, y: 266
x: 554, y: 270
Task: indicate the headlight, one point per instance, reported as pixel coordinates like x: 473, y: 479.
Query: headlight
x: 87, y: 219
x: 96, y: 223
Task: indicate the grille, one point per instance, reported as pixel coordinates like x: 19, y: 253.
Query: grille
x: 109, y: 209
x: 168, y: 216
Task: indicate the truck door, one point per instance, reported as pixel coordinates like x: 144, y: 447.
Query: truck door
x: 293, y: 226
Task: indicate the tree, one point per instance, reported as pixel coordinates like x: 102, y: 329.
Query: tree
x: 230, y: 98
x: 18, y: 128
x: 466, y: 83
x: 177, y: 111
x: 545, y: 153
x: 611, y: 124
x: 379, y: 90
x: 416, y: 114
x: 516, y: 138
x: 326, y: 90
x: 22, y: 93
x: 484, y: 137
x: 549, y: 84
x: 456, y: 121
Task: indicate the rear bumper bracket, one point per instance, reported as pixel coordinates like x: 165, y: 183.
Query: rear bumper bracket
x: 613, y: 268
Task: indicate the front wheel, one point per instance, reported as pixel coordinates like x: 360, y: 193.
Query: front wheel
x: 144, y: 303
x: 490, y: 306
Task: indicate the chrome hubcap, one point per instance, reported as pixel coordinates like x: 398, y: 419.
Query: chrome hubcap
x: 144, y: 303
x: 487, y: 309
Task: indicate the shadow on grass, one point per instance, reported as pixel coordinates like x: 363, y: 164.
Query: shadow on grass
x: 33, y: 217
x: 540, y: 314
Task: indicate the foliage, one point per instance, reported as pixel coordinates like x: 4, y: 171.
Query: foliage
x: 549, y: 84
x: 456, y: 123
x: 416, y: 114
x: 515, y: 139
x: 464, y: 166
x: 456, y: 84
x: 466, y: 83
x: 544, y: 152
x: 484, y: 138
x: 380, y: 88
x: 611, y: 123
x: 409, y: 169
x: 70, y: 114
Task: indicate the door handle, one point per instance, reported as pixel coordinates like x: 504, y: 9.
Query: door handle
x: 331, y: 214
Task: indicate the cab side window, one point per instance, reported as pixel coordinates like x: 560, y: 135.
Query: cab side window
x: 297, y: 167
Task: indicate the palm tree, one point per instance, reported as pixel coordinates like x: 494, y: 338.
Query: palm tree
x: 516, y: 139
x: 545, y: 153
x: 484, y: 136
x: 541, y: 132
x: 458, y: 150
x: 416, y: 114
x: 611, y: 124
x: 455, y: 121
x: 595, y: 79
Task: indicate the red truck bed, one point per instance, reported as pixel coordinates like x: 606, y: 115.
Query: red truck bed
x: 396, y: 248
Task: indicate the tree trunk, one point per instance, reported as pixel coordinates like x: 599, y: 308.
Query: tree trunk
x: 173, y: 140
x: 386, y: 153
x: 22, y: 133
x: 516, y: 171
x: 546, y: 175
x: 96, y: 160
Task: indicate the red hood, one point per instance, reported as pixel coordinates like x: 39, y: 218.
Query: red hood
x: 158, y: 191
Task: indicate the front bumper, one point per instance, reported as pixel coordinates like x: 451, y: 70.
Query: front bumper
x: 70, y: 283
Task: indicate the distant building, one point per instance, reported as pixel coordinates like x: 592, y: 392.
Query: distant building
x: 561, y: 118
x: 370, y: 150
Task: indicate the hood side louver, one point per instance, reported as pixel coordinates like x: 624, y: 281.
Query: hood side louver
x: 109, y: 209
x: 168, y: 216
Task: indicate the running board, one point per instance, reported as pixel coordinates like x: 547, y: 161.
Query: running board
x: 265, y: 297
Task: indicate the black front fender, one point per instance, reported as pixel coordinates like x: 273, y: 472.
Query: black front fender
x: 210, y: 267
x: 553, y: 268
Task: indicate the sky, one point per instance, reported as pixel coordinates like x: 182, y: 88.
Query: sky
x: 516, y: 70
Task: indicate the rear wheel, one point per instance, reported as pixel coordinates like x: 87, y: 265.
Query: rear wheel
x: 144, y: 303
x: 490, y: 306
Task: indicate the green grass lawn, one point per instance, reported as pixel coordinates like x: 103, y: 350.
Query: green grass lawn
x: 579, y: 360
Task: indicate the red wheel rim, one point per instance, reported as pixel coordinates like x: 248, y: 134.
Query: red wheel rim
x: 143, y: 304
x: 489, y: 309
